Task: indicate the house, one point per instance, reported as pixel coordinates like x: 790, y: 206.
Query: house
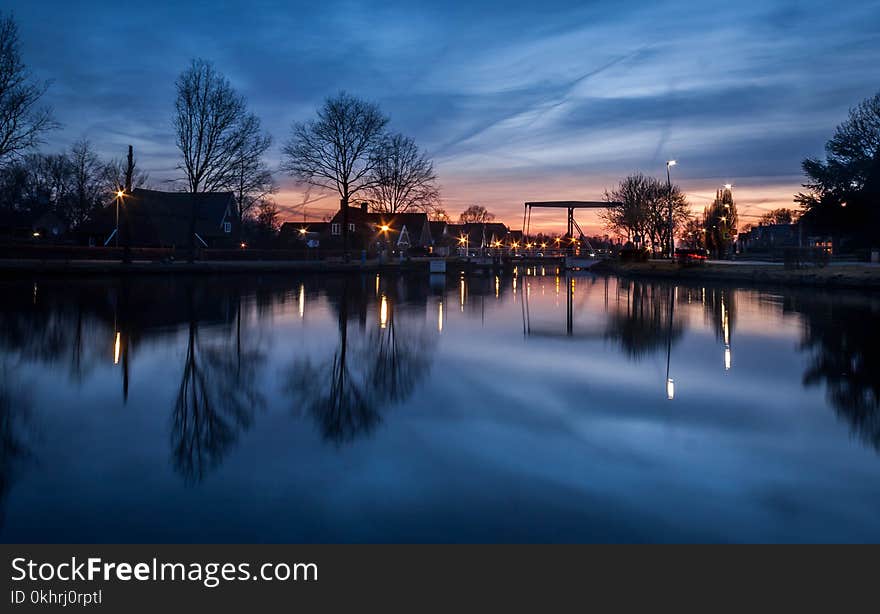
x: 374, y: 232
x: 28, y: 226
x: 768, y: 237
x: 476, y: 236
x: 296, y: 235
x: 164, y: 219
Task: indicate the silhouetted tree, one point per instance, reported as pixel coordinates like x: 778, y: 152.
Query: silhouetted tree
x: 843, y: 191
x: 475, y: 214
x: 337, y: 151
x: 403, y: 177
x: 693, y: 235
x: 253, y: 182
x: 438, y: 214
x: 719, y: 221
x: 209, y: 121
x: 88, y: 188
x: 778, y: 216
x: 22, y: 121
x: 643, y: 209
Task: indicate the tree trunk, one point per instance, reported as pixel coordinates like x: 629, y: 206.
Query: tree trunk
x: 346, y: 256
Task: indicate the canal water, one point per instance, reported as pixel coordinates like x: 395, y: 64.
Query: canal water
x: 372, y: 408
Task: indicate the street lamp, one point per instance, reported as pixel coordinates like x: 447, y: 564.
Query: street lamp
x: 670, y: 163
x: 119, y: 195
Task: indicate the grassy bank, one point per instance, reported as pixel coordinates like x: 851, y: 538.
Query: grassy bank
x: 842, y: 276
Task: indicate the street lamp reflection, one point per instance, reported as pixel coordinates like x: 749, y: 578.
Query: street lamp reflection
x: 383, y: 312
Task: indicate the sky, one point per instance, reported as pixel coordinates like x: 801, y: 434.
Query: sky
x: 514, y: 100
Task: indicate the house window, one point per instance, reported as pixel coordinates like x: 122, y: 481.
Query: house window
x: 227, y: 227
x: 351, y: 227
x: 334, y: 229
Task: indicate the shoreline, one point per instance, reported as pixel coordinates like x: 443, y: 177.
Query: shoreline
x: 114, y: 267
x: 855, y: 276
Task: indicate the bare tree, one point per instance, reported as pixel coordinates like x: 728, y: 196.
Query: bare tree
x: 641, y: 209
x: 337, y: 150
x: 22, y: 122
x: 208, y: 118
x: 439, y: 214
x: 475, y: 214
x: 253, y: 182
x: 87, y: 181
x: 404, y: 178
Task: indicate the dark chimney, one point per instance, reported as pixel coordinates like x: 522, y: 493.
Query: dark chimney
x: 364, y: 207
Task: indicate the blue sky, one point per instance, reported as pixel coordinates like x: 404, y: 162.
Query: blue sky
x: 514, y: 100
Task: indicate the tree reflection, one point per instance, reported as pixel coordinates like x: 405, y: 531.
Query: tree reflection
x: 217, y: 398
x: 842, y: 338
x: 642, y: 324
x: 52, y: 323
x: 15, y: 409
x: 346, y: 393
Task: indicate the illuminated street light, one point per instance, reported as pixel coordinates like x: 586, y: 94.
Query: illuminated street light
x: 116, y: 348
x: 727, y: 358
x: 670, y: 389
x: 384, y: 227
x: 669, y: 164
x: 119, y: 195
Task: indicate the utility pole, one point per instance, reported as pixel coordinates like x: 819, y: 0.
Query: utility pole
x: 669, y: 196
x: 126, y: 226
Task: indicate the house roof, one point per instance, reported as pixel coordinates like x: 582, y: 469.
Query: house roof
x: 394, y: 221
x: 164, y: 217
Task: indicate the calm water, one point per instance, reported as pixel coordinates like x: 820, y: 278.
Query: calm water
x: 389, y: 409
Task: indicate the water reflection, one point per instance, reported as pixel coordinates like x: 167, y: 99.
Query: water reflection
x: 371, y: 367
x: 15, y: 411
x: 353, y: 357
x: 217, y: 397
x: 841, y: 336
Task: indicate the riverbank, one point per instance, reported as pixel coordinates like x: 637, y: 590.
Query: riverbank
x: 857, y: 276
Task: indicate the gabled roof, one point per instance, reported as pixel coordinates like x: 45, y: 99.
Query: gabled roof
x: 395, y: 221
x: 164, y: 218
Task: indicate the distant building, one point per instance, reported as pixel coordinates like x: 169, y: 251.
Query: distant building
x: 26, y: 226
x: 164, y: 219
x: 296, y: 235
x: 768, y: 237
x: 477, y: 235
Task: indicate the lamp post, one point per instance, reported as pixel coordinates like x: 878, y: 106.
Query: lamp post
x: 670, y: 163
x: 119, y: 195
